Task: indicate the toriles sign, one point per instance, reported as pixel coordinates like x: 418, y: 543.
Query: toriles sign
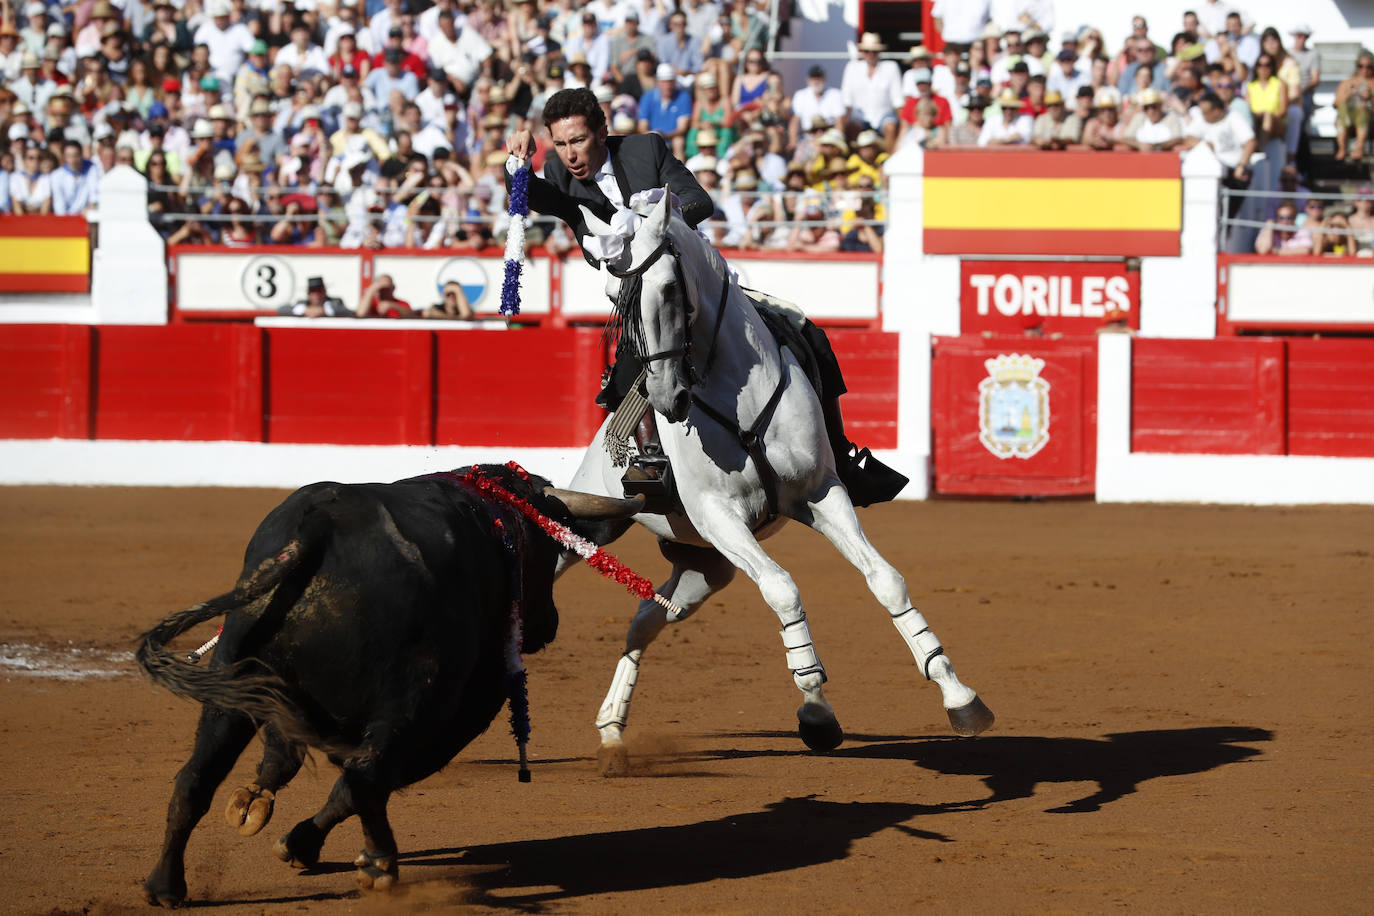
x: 1056, y: 297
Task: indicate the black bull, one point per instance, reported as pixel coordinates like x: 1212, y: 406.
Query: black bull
x: 370, y: 621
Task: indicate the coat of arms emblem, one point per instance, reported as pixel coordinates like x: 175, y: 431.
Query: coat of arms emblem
x: 1014, y: 406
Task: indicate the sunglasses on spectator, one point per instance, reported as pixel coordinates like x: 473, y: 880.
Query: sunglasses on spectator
x: 1224, y: 85
x: 1364, y: 66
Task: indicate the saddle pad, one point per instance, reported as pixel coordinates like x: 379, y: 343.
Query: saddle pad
x: 785, y: 320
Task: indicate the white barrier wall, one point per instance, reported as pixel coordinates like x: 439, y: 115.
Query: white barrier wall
x: 129, y: 267
x: 1301, y: 293
x: 420, y: 277
x: 229, y: 281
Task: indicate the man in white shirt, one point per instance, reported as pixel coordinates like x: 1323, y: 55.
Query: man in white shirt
x: 228, y: 42
x: 1231, y: 137
x: 961, y: 22
x: 1065, y: 77
x: 427, y: 24
x: 817, y: 99
x: 872, y: 89
x: 1011, y: 127
x: 459, y: 54
x: 300, y: 55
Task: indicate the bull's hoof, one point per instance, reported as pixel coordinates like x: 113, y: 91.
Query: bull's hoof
x: 159, y: 891
x: 819, y: 728
x: 613, y: 760
x: 376, y: 873
x: 301, y: 847
x: 972, y: 718
x: 249, y: 809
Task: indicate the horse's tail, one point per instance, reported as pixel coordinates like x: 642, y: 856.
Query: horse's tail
x: 247, y: 686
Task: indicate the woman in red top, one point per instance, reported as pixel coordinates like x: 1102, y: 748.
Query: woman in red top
x: 347, y: 53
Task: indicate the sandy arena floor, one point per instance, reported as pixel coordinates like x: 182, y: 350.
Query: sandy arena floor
x: 1183, y: 694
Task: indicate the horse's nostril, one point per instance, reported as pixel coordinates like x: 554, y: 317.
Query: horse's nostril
x: 681, y: 404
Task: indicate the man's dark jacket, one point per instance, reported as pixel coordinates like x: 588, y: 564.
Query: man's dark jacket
x: 641, y: 162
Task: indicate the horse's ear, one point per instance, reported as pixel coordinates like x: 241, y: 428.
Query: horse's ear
x: 595, y: 225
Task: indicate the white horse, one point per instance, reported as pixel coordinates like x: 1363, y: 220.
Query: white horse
x: 714, y: 370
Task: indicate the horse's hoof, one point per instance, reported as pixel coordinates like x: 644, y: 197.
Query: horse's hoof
x: 612, y: 760
x: 376, y: 873
x: 249, y: 809
x: 972, y: 718
x: 819, y: 728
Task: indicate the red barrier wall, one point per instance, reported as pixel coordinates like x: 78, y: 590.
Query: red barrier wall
x: 1253, y: 396
x: 354, y: 386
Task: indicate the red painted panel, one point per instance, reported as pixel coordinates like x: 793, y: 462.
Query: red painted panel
x: 1331, y: 397
x: 355, y: 386
x: 1022, y: 163
x: 164, y: 382
x: 869, y: 361
x: 527, y: 387
x: 1218, y: 397
x: 45, y: 381
x: 1072, y: 242
x: 1059, y: 297
x: 965, y: 395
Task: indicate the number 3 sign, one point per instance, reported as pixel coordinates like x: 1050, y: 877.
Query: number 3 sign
x: 268, y: 282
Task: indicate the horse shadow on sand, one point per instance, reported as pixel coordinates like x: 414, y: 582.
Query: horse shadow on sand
x: 1012, y: 767
x: 527, y: 875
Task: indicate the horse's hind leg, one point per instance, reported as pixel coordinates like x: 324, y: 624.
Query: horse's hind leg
x: 816, y: 720
x: 250, y: 807
x: 833, y: 516
x: 220, y: 738
x: 698, y: 573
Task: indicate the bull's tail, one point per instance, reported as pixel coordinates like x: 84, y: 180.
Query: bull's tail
x: 248, y: 686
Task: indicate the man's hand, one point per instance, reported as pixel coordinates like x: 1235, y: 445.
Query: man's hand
x: 521, y: 144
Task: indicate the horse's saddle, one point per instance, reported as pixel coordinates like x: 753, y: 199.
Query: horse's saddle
x: 785, y: 320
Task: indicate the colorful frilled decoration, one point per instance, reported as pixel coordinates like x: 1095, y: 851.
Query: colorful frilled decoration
x: 518, y: 206
x: 594, y: 556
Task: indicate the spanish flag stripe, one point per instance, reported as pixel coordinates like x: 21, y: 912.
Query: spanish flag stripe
x: 1059, y: 203
x: 1110, y: 243
x: 44, y: 227
x: 1003, y: 163
x: 45, y: 255
x: 45, y: 283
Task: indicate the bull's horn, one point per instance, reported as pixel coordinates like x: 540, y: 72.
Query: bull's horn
x: 590, y: 505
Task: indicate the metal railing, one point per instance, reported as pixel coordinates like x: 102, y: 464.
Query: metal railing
x: 1227, y: 224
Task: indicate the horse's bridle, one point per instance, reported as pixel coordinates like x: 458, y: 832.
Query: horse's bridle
x: 685, y: 351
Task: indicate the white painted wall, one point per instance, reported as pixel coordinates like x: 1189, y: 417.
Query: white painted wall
x: 129, y: 267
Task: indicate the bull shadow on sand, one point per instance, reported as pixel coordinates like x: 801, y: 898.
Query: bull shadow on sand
x: 1011, y: 767
x: 735, y: 846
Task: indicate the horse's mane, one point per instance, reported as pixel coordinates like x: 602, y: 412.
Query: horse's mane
x: 626, y: 321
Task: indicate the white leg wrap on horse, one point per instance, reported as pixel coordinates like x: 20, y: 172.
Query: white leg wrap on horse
x: 616, y: 708
x: 801, y: 652
x: 924, y: 644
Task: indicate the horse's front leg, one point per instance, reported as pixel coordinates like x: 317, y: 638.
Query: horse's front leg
x: 816, y: 722
x: 698, y: 573
x: 832, y: 515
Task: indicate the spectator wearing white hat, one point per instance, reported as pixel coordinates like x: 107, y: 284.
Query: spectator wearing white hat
x: 1309, y: 64
x: 1151, y: 128
x: 667, y: 109
x: 872, y: 89
x: 35, y: 32
x: 1011, y: 128
x: 25, y: 88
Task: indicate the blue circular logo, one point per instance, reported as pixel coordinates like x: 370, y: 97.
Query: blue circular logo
x: 469, y: 273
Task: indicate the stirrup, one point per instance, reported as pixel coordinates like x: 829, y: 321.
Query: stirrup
x: 868, y: 480
x: 651, y: 475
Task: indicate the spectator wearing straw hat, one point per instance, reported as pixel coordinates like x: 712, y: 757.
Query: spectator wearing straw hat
x: 828, y: 146
x: 1151, y: 128
x: 867, y: 158
x: 921, y: 59
x: 1103, y: 130
x: 11, y: 52
x: 1011, y: 127
x: 872, y: 89
x: 26, y: 88
x: 1047, y: 129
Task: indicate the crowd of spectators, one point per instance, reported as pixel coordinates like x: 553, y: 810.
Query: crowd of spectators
x: 383, y: 122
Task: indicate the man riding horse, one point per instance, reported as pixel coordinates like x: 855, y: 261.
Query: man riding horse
x: 602, y: 173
